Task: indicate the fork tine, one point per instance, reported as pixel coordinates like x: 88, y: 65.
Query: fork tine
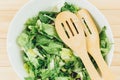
x: 79, y: 27
x: 72, y: 26
x: 61, y: 20
x: 68, y: 29
x: 60, y: 29
x: 81, y: 20
x: 85, y: 14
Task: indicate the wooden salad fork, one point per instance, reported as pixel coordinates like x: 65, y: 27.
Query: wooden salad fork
x: 93, y: 43
x: 70, y: 30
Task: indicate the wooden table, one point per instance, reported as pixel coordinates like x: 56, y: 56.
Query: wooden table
x: 8, y: 8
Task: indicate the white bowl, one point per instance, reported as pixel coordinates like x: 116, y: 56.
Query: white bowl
x: 31, y: 9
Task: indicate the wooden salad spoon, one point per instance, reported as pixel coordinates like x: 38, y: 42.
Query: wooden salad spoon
x: 70, y: 30
x: 93, y: 43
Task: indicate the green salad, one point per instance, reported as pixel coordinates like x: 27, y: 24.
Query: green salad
x: 44, y: 54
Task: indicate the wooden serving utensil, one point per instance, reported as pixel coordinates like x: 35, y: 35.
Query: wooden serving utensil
x: 70, y: 30
x: 93, y: 43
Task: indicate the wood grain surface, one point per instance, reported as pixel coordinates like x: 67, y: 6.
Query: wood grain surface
x: 8, y: 9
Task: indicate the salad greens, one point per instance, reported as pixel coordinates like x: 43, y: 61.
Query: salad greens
x: 45, y: 56
x: 104, y: 42
x: 70, y: 7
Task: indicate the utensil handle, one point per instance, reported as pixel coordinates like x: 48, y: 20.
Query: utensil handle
x: 88, y: 65
x: 106, y: 72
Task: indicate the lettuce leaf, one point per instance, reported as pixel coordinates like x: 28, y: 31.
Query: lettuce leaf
x: 105, y: 44
x: 70, y: 7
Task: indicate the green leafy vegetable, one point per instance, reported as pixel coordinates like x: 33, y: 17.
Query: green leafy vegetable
x: 31, y: 21
x: 70, y: 7
x: 62, y: 78
x: 49, y: 29
x: 66, y: 54
x: 45, y: 56
x: 23, y: 39
x: 47, y: 17
x: 105, y: 44
x: 53, y: 48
